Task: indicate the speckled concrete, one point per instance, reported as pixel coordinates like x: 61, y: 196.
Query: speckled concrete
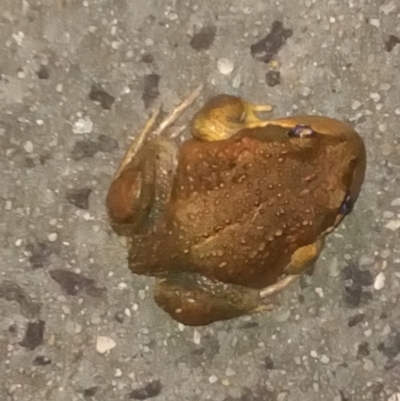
x: 75, y: 79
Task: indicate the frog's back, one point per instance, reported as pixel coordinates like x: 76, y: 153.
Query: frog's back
x: 241, y: 207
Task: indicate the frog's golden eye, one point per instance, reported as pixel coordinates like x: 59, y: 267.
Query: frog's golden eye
x: 301, y: 131
x: 347, y: 205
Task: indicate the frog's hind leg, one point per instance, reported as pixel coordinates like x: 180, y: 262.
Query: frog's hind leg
x: 195, y: 300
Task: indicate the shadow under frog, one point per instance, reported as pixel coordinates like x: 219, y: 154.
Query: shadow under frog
x: 238, y: 211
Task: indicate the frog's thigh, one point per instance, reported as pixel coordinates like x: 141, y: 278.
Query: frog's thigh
x: 304, y: 257
x: 194, y: 300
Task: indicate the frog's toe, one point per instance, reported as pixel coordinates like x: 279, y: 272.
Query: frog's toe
x: 278, y: 286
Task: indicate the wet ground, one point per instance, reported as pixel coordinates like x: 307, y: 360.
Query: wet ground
x: 77, y: 79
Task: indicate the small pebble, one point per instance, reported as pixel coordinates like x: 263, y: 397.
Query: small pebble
x: 393, y: 225
x: 52, y: 237
x: 66, y: 310
x: 379, y: 281
x: 313, y: 354
x: 104, y: 344
x: 225, y: 66
x: 305, y: 91
x: 375, y: 22
x: 196, y: 337
x: 83, y: 126
x: 59, y: 88
x: 213, y: 379
x: 324, y: 359
x: 28, y: 146
x: 355, y: 105
x: 229, y: 372
x: 320, y: 292
x: 375, y: 97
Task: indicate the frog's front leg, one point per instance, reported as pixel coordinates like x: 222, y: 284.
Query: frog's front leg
x: 223, y: 116
x: 195, y: 300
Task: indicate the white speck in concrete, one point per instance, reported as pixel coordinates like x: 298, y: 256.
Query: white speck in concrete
x: 83, y: 126
x: 225, y: 66
x: 28, y: 146
x: 213, y: 379
x: 393, y: 225
x: 388, y: 8
x: 379, y: 281
x: 52, y: 237
x: 196, y: 337
x: 355, y: 105
x: 375, y: 22
x: 104, y: 344
x: 320, y: 292
x: 324, y: 359
x: 395, y: 202
x: 375, y: 96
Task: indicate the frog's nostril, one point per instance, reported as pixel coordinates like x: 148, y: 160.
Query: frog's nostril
x: 346, y: 206
x: 301, y: 131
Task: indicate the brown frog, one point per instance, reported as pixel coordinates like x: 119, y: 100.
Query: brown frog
x: 236, y: 213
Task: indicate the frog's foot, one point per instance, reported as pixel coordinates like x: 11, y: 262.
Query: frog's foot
x: 148, y: 129
x: 195, y: 300
x: 224, y: 116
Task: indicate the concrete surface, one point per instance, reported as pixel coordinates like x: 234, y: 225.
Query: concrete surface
x: 75, y: 79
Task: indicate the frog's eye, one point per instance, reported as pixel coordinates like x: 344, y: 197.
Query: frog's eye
x: 301, y: 131
x: 346, y: 206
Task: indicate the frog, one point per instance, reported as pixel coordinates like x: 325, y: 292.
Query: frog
x: 237, y: 212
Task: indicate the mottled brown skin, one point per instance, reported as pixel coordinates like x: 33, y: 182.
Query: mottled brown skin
x: 235, y: 214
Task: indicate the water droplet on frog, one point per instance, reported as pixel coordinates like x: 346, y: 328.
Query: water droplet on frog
x: 278, y: 232
x: 223, y: 264
x: 262, y: 246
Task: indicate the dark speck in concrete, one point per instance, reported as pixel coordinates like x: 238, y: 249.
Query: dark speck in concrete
x: 33, y: 335
x: 265, y: 49
x: 204, y: 38
x: 147, y: 58
x: 273, y: 78
x: 88, y: 148
x: 97, y: 94
x: 355, y: 282
x: 391, y: 42
x: 356, y: 319
x: 150, y: 89
x: 39, y: 254
x: 362, y: 350
x: 150, y: 390
x: 391, y: 346
x: 268, y: 363
x: 90, y: 392
x: 79, y: 197
x: 119, y: 316
x: 43, y: 72
x: 74, y: 284
x: 106, y: 144
x: 83, y: 149
x: 11, y: 291
x: 41, y: 360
